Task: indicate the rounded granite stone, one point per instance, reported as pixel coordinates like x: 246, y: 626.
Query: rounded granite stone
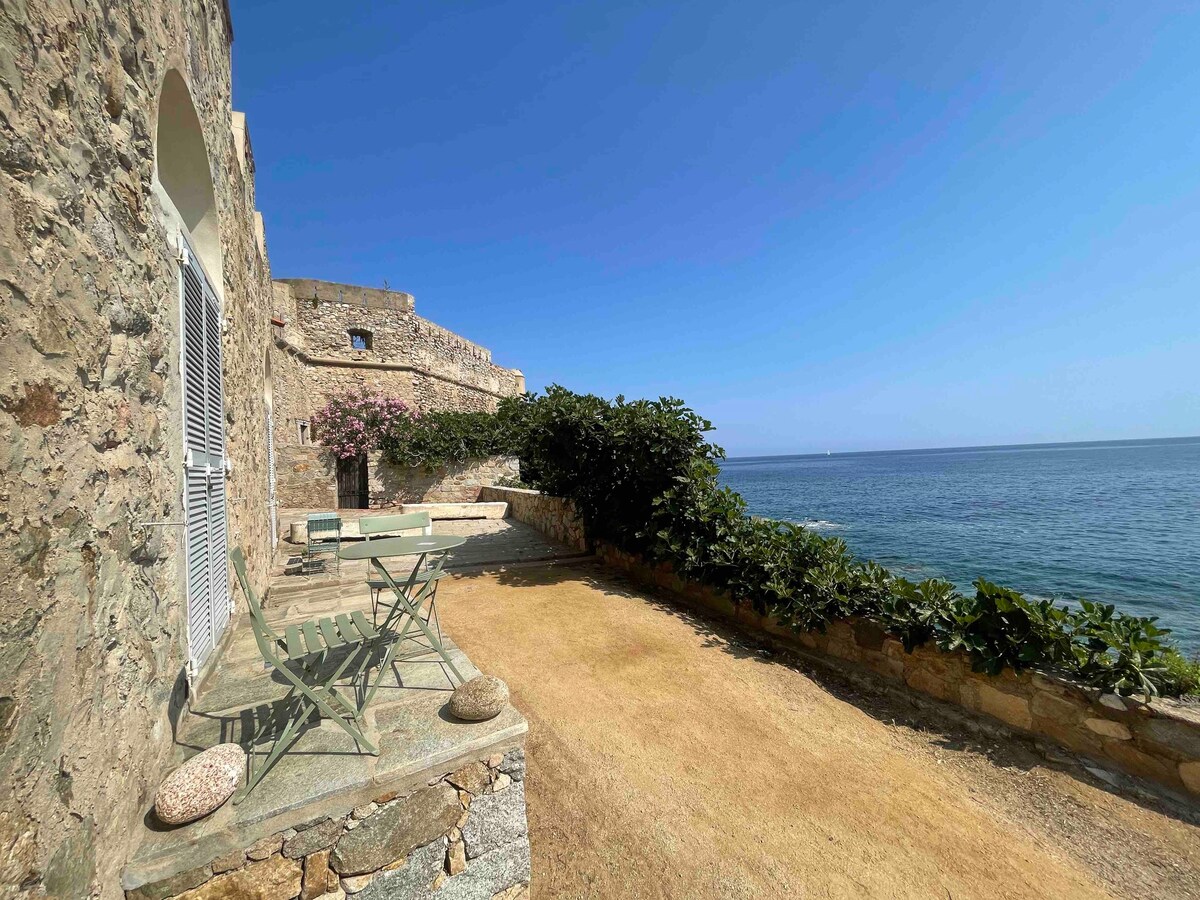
x: 200, y: 785
x: 480, y: 698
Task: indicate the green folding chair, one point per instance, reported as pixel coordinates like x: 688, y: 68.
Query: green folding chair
x: 324, y: 537
x: 299, y: 655
x: 374, y: 526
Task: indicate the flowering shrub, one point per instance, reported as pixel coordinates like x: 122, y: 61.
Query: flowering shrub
x: 356, y: 421
x: 644, y: 479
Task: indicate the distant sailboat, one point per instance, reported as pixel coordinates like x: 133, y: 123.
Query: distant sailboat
x: 829, y: 453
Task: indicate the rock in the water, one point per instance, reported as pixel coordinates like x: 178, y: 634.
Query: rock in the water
x: 200, y: 785
x: 480, y: 698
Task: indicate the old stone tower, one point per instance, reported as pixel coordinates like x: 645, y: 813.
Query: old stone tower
x: 141, y: 382
x: 329, y: 338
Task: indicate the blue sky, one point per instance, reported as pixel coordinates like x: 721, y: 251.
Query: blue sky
x: 825, y: 226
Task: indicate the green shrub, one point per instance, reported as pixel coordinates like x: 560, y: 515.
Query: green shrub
x: 612, y: 458
x: 435, y: 439
x: 1182, y: 675
x: 645, y: 479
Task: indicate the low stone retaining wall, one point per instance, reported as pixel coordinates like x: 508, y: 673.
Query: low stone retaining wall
x: 456, y: 483
x: 1159, y: 741
x: 463, y: 836
x: 306, y: 478
x: 552, y: 516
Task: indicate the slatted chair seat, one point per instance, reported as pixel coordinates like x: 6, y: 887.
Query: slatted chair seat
x: 320, y: 635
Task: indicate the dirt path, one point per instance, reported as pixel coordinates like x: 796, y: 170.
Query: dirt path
x: 669, y: 758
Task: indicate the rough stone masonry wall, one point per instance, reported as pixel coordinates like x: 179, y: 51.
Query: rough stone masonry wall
x: 552, y: 516
x: 410, y: 357
x: 1159, y: 741
x: 457, y: 483
x: 306, y: 478
x: 92, y: 637
x: 462, y: 837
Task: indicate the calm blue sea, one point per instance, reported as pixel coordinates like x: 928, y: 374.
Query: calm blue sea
x: 1116, y: 521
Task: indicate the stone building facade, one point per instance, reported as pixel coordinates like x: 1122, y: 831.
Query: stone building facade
x: 330, y: 338
x: 118, y: 146
x: 146, y: 356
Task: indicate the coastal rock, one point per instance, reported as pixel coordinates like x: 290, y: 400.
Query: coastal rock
x: 200, y: 785
x: 480, y: 698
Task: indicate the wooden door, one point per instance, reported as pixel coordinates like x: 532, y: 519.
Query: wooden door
x: 352, y: 489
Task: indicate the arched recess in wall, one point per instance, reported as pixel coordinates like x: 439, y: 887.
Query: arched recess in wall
x: 181, y: 164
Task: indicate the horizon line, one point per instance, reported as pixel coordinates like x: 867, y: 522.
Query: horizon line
x: 1025, y: 446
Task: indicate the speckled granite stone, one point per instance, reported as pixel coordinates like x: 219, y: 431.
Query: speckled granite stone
x: 480, y: 698
x: 200, y: 785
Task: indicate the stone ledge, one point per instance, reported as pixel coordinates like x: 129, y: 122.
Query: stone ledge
x: 403, y: 845
x: 440, y: 511
x: 324, y: 776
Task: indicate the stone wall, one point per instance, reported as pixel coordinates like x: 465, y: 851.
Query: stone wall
x: 457, y: 483
x: 410, y: 357
x: 92, y: 633
x: 552, y: 516
x: 1159, y: 741
x: 306, y: 478
x: 461, y: 837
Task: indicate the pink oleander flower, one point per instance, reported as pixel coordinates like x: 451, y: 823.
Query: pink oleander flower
x: 354, y: 422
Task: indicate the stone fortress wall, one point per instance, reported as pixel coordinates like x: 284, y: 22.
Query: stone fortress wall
x: 409, y: 357
x: 93, y: 638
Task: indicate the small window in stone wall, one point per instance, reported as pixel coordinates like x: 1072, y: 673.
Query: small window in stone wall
x: 306, y: 436
x: 360, y: 339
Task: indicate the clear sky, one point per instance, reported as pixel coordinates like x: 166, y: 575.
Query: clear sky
x: 835, y: 226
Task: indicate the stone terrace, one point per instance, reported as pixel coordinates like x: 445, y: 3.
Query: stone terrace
x: 325, y: 788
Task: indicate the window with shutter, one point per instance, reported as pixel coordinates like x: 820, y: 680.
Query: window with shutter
x: 204, y: 460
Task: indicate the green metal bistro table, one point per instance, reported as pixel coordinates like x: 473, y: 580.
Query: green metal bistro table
x: 409, y: 598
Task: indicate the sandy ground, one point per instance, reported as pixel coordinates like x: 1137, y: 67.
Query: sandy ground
x: 671, y: 757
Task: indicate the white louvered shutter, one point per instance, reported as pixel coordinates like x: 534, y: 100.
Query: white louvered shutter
x: 272, y: 503
x: 204, y: 445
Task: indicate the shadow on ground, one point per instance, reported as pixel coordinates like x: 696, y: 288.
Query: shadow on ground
x: 943, y: 725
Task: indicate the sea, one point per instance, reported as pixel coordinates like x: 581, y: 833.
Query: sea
x: 1111, y: 521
